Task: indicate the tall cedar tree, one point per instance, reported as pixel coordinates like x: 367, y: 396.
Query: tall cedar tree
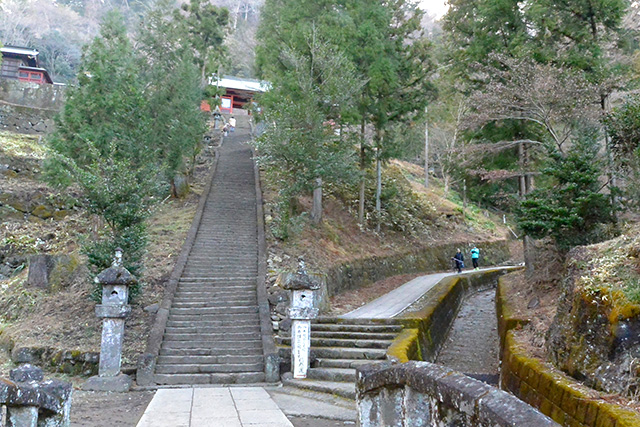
x: 381, y: 39
x: 304, y: 105
x: 205, y: 25
x: 623, y: 124
x: 174, y: 91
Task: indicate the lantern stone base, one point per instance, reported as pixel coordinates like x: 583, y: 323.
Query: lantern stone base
x: 120, y: 383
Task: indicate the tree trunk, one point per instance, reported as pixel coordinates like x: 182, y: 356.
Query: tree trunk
x: 522, y: 184
x: 464, y: 200
x: 316, y: 209
x: 378, y: 189
x: 362, y: 172
x: 426, y: 148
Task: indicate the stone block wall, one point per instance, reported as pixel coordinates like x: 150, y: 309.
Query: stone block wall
x: 538, y: 383
x: 417, y: 394
x: 19, y: 119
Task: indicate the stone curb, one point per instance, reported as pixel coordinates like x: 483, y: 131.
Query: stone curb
x: 271, y: 357
x: 147, y: 360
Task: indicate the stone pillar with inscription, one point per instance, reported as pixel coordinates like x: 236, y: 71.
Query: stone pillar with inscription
x: 301, y: 311
x: 115, y: 282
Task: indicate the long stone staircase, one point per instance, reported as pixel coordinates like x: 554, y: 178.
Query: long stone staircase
x: 338, y: 347
x: 212, y: 334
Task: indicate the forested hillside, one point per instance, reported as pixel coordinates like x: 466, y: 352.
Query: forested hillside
x: 60, y: 29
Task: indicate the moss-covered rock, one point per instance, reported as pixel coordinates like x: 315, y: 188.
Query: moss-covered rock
x: 595, y: 336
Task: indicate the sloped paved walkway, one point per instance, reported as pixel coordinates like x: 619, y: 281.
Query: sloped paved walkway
x: 396, y: 301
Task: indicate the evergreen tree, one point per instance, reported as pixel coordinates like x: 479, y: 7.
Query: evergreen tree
x: 173, y: 91
x: 571, y: 209
x: 623, y: 124
x: 204, y: 24
x: 304, y: 144
x: 384, y: 43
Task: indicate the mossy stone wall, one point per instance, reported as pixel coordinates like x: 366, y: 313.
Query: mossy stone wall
x: 546, y: 388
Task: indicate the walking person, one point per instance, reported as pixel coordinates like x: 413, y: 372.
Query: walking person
x: 232, y: 124
x: 458, y: 258
x: 475, y: 255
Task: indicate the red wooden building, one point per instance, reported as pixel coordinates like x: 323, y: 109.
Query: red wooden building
x: 21, y: 63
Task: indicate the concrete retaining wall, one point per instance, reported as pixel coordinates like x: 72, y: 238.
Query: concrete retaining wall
x: 47, y: 97
x: 554, y: 393
x: 417, y: 394
x: 29, y: 107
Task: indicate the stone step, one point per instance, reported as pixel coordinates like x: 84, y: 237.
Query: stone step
x: 212, y: 319
x: 226, y: 278
x: 194, y: 379
x: 342, y: 363
x: 337, y: 320
x: 162, y: 368
x: 217, y: 352
x: 355, y: 328
x: 332, y: 374
x: 353, y: 335
x: 347, y: 390
x: 211, y: 297
x: 234, y: 345
x: 349, y: 353
x: 341, y: 343
x: 225, y: 257
x: 222, y: 287
x: 215, y: 269
x: 210, y: 360
x: 215, y: 291
x: 199, y: 267
x: 253, y: 330
x: 223, y: 245
x: 214, y: 302
x: 214, y: 310
x: 202, y: 324
x: 214, y: 337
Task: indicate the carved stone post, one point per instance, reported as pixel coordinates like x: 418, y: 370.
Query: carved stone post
x: 115, y: 282
x: 301, y: 312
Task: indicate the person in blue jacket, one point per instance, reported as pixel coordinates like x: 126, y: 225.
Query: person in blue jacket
x: 475, y: 255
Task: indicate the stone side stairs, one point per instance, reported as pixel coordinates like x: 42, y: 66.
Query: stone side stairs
x: 212, y: 335
x: 338, y: 347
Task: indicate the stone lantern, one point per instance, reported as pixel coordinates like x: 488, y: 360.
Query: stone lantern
x: 115, y: 282
x: 301, y: 311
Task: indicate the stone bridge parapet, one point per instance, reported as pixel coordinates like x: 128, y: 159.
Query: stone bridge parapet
x: 420, y: 394
x: 31, y: 400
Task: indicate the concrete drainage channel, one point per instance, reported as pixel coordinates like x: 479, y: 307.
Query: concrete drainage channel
x: 454, y: 324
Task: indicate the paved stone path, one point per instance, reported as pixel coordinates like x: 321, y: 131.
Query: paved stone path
x: 213, y: 407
